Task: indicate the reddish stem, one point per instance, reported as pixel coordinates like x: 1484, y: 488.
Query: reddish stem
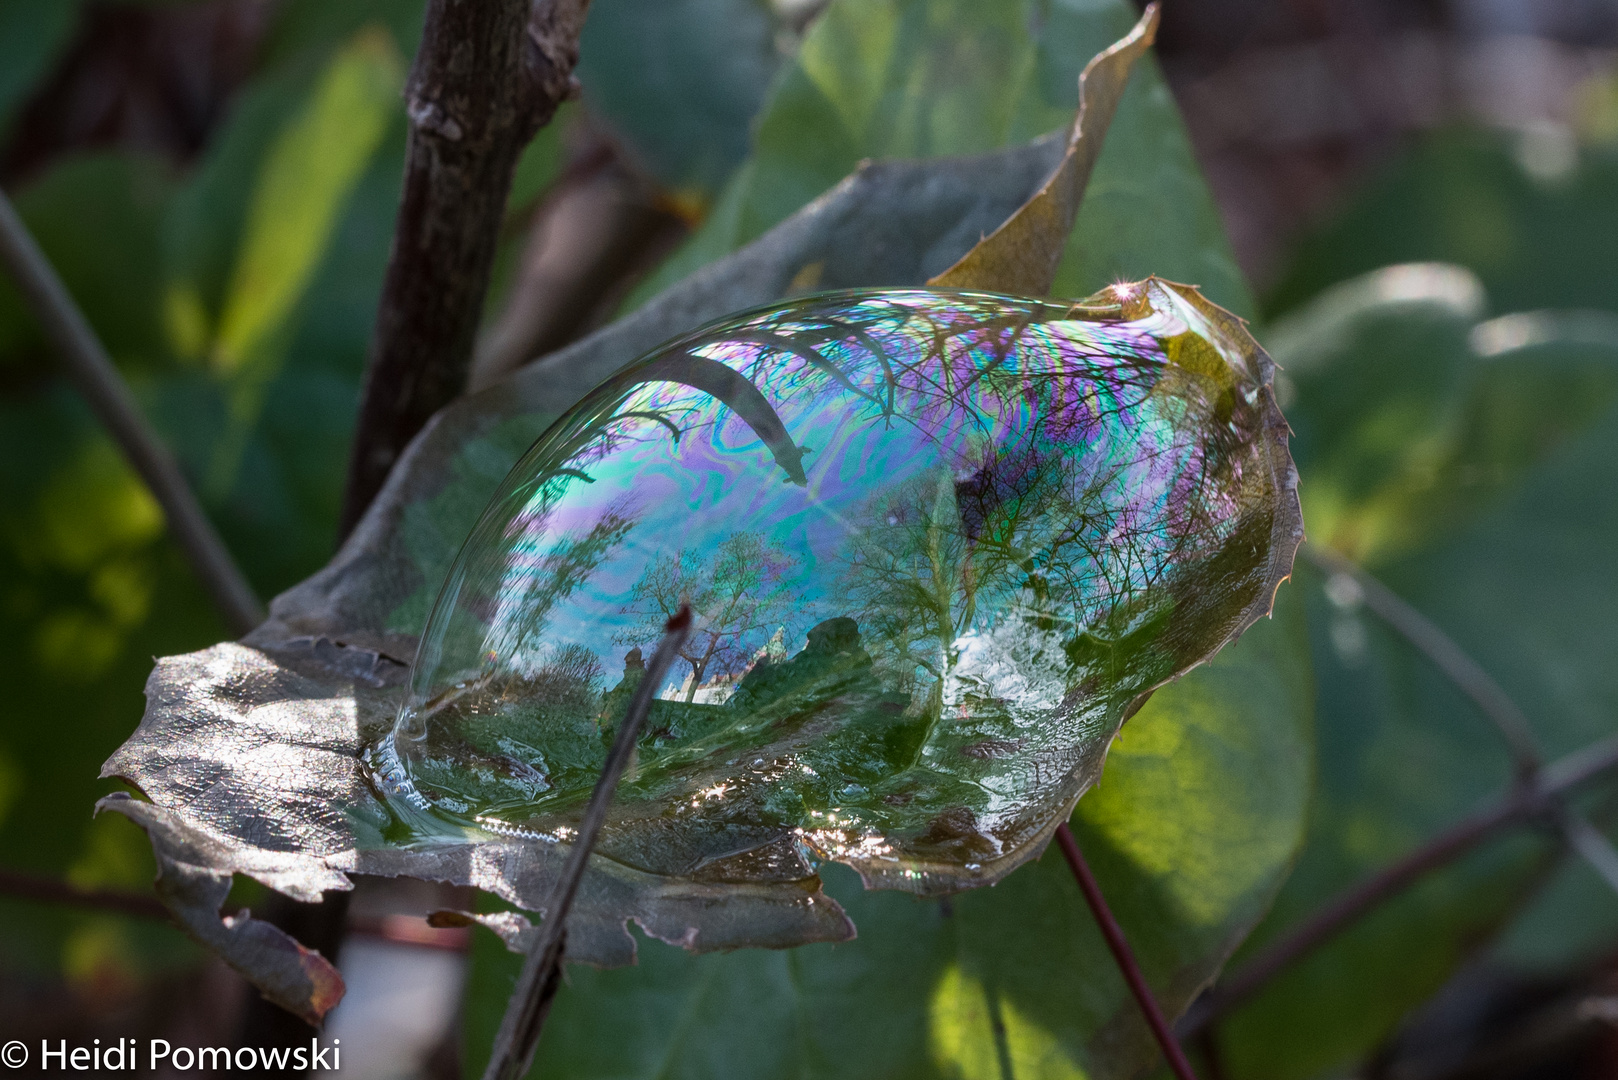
x: 1114, y: 935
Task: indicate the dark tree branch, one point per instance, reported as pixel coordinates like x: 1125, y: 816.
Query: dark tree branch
x: 46, y: 890
x: 109, y: 397
x: 1121, y: 953
x: 488, y: 75
x: 1519, y: 805
x: 542, y: 967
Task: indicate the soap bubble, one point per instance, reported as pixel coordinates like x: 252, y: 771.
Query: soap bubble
x: 937, y: 545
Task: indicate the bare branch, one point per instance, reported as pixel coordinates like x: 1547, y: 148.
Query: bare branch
x: 1119, y: 945
x: 1539, y: 794
x: 1592, y: 845
x: 542, y: 967
x: 1519, y: 805
x: 109, y: 397
x: 487, y: 76
x: 1459, y: 667
x: 1475, y: 682
x: 46, y: 890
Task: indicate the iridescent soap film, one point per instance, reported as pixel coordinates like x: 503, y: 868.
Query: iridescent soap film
x: 938, y: 546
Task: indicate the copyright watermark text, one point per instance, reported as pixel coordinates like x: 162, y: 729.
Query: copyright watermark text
x: 127, y: 1055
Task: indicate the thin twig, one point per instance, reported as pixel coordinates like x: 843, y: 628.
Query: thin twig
x: 487, y: 76
x: 1471, y: 678
x: 1114, y: 935
x: 542, y: 967
x: 1515, y: 807
x: 1466, y: 673
x: 110, y: 398
x: 1213, y: 1058
x: 39, y: 889
x: 1592, y: 844
x: 54, y: 892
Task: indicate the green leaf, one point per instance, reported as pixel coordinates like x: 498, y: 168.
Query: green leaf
x: 931, y: 78
x: 1466, y: 197
x: 1190, y: 832
x: 1375, y: 367
x: 92, y: 588
x: 309, y: 172
x: 1467, y: 464
x: 310, y: 30
x: 1569, y: 919
x: 32, y: 36
x: 98, y: 217
x: 1023, y: 254
x: 286, y: 417
x: 93, y: 591
x: 306, y: 178
x: 281, y: 512
x: 680, y: 80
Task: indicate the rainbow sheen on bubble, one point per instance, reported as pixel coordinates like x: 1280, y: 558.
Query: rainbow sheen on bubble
x: 938, y: 545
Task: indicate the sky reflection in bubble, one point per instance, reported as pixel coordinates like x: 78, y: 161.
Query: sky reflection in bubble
x: 938, y: 546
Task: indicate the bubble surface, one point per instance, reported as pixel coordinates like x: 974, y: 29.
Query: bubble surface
x: 938, y: 546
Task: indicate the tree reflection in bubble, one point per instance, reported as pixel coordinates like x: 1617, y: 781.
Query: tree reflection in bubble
x: 939, y: 545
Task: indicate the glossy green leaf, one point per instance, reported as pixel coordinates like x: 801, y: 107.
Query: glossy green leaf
x: 1190, y: 831
x: 1466, y: 197
x: 680, y: 80
x: 1467, y: 464
x: 1022, y: 256
x: 930, y: 78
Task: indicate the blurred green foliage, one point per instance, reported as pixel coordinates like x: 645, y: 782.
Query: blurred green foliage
x: 1465, y: 463
x: 31, y: 36
x: 933, y: 78
x: 1483, y: 200
x: 681, y: 81
x: 1467, y: 460
x: 157, y: 257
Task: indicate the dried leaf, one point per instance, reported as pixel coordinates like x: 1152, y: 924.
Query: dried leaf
x: 192, y: 884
